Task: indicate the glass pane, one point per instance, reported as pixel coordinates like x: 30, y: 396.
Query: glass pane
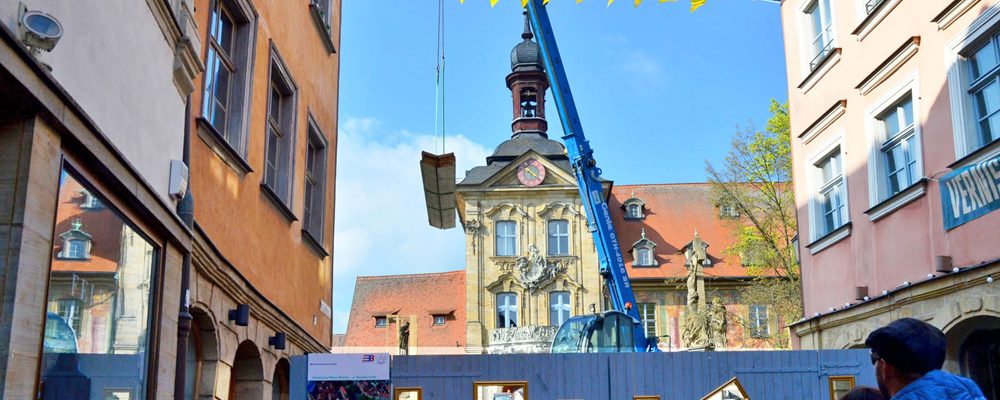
x: 983, y: 60
x: 988, y: 99
x: 994, y: 131
x: 98, y: 304
x: 906, y: 109
x: 890, y: 122
x: 226, y: 33
x: 275, y: 104
x: 211, y: 65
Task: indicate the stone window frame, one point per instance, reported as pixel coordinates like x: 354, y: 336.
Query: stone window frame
x: 232, y: 143
x: 314, y: 175
x: 550, y: 236
x: 515, y: 308
x: 552, y: 306
x: 629, y: 205
x: 506, y: 236
x: 280, y: 185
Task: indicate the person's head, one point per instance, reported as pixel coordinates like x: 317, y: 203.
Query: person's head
x: 904, y: 351
x: 863, y: 393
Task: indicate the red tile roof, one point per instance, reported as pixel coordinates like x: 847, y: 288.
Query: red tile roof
x: 102, y: 224
x: 673, y: 212
x: 418, y: 295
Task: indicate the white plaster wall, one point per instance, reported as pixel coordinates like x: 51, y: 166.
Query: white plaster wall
x: 115, y: 62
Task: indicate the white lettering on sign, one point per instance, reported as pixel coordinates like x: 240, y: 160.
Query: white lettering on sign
x: 974, y: 188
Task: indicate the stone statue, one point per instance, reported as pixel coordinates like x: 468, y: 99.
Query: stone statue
x: 717, y: 324
x: 404, y: 338
x: 696, y: 319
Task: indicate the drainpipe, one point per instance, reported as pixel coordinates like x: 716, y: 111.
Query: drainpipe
x: 185, y: 210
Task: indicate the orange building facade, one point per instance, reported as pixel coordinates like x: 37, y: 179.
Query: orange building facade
x: 264, y: 137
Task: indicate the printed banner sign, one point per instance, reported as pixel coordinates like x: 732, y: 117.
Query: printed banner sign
x: 347, y: 367
x: 970, y: 192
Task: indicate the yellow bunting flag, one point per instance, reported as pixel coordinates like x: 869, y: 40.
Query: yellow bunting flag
x: 609, y: 2
x: 493, y: 3
x: 637, y: 2
x: 696, y: 3
x: 524, y: 3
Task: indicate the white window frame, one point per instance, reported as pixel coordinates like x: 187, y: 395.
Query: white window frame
x: 634, y: 211
x: 499, y: 235
x: 639, y: 256
x: 440, y: 317
x: 964, y: 125
x: 833, y: 145
x: 878, y: 183
x: 562, y: 310
x: 557, y: 235
x: 507, y: 309
x: 806, y: 36
x: 646, y: 322
x: 757, y: 329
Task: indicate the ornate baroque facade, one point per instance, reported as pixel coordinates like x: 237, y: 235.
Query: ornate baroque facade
x: 530, y: 261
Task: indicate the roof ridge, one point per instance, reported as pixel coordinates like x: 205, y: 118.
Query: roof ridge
x: 424, y: 274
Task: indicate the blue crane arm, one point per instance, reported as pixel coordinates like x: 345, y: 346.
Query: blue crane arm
x: 581, y: 156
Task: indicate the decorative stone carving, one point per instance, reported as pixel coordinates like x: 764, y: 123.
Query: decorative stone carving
x: 473, y: 228
x: 717, y: 324
x: 698, y: 316
x: 525, y: 339
x: 535, y: 271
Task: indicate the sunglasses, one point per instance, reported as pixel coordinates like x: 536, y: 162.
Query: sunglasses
x: 875, y: 357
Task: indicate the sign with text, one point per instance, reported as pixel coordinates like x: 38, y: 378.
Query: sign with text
x: 347, y: 367
x: 970, y: 192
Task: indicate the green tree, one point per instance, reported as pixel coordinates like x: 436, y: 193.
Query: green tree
x: 755, y: 182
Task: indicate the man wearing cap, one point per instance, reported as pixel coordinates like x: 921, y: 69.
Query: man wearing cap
x: 908, y: 355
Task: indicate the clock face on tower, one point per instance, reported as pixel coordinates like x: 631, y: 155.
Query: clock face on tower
x: 531, y: 172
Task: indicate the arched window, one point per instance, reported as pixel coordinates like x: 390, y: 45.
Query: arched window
x: 194, y: 360
x: 529, y: 103
x: 507, y: 310
x: 506, y: 244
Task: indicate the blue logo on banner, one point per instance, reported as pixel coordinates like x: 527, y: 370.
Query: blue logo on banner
x: 970, y: 192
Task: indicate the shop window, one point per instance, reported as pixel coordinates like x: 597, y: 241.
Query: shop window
x: 500, y: 390
x: 840, y: 385
x: 99, y: 299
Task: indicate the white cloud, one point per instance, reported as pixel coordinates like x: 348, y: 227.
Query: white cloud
x: 641, y: 67
x: 381, y: 220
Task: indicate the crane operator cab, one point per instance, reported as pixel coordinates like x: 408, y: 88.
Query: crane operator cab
x: 608, y: 332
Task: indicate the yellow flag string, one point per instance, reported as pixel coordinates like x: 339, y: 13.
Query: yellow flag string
x: 695, y: 4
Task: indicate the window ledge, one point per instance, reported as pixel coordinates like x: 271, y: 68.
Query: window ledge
x: 315, y: 244
x: 897, y: 201
x: 892, y: 64
x: 824, y: 121
x: 829, y: 239
x: 824, y: 66
x: 989, y: 150
x: 874, y: 18
x: 278, y: 203
x: 222, y: 148
x: 635, y: 265
x: 324, y: 29
x: 951, y: 13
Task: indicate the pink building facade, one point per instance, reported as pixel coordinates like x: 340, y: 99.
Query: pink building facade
x: 895, y: 112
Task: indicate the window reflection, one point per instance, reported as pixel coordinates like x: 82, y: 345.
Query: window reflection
x: 97, y: 320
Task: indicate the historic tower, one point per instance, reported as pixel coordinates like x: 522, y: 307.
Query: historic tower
x: 530, y: 261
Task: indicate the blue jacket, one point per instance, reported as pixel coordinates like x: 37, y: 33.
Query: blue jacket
x: 940, y: 385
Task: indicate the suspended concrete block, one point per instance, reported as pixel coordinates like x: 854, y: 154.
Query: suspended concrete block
x: 438, y: 173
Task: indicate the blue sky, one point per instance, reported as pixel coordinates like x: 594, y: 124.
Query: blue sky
x: 660, y: 90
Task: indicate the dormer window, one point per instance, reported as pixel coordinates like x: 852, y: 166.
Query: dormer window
x: 381, y: 321
x: 642, y: 252
x: 439, y: 319
x: 529, y: 103
x: 89, y: 200
x: 76, y: 243
x: 634, y: 207
x: 728, y: 211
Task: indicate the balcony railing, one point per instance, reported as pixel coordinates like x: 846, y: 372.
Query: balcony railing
x: 871, y: 5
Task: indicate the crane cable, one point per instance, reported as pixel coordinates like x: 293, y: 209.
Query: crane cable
x: 439, y: 82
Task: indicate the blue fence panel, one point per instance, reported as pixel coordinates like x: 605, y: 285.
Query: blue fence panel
x: 766, y: 375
